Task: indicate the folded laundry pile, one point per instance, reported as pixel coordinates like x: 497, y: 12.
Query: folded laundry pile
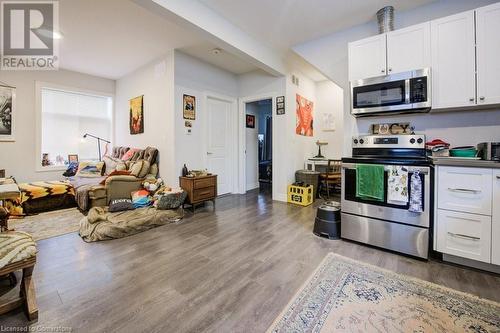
x: 141, y: 199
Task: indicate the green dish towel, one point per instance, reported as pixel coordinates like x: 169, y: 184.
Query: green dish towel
x: 370, y: 182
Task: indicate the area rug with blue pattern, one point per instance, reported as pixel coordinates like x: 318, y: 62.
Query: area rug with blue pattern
x: 344, y: 295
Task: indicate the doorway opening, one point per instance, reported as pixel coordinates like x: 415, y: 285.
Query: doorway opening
x: 259, y: 145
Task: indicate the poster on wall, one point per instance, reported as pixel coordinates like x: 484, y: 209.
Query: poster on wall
x: 250, y: 121
x: 189, y: 107
x: 304, y: 116
x: 328, y: 122
x: 137, y: 115
x: 7, y: 102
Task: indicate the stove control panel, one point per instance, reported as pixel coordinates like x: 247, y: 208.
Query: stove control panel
x: 412, y: 141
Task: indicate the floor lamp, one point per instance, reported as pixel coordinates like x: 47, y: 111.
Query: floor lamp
x: 98, y: 142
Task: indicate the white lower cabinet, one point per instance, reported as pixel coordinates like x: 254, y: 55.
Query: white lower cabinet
x: 495, y: 222
x: 467, y: 213
x: 464, y: 235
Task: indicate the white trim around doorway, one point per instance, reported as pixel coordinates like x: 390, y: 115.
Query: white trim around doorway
x: 242, y: 137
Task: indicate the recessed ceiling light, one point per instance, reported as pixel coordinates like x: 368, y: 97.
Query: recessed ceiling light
x: 216, y: 51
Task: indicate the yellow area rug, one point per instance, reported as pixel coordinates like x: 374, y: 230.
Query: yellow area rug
x: 345, y: 295
x: 50, y: 224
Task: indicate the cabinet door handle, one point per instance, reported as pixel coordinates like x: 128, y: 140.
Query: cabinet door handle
x: 498, y: 177
x: 471, y: 99
x: 390, y: 69
x: 482, y: 98
x: 463, y: 190
x: 463, y: 236
x: 382, y: 71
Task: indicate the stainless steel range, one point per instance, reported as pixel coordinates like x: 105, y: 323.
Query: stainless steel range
x: 383, y: 223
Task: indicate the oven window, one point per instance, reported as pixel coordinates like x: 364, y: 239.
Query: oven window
x: 350, y: 190
x: 382, y: 94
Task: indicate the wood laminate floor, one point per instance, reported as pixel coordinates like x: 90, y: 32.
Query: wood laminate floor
x: 229, y: 271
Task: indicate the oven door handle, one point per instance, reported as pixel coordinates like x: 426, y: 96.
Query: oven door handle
x: 463, y: 190
x: 422, y: 170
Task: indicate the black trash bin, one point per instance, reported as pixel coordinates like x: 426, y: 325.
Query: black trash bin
x: 327, y: 222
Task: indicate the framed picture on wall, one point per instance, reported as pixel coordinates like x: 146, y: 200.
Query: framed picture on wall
x: 137, y: 115
x: 7, y: 112
x: 280, y: 105
x: 189, y: 107
x: 73, y: 158
x: 250, y: 121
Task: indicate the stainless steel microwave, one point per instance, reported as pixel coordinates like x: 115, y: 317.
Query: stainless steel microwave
x: 406, y: 92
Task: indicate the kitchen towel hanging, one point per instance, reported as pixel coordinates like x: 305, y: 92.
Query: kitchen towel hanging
x: 397, y: 185
x: 416, y: 205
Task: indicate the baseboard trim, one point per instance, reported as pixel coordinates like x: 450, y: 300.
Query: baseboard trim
x: 252, y: 186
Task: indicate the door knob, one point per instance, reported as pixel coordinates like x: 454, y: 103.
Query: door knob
x: 482, y: 98
x: 209, y: 153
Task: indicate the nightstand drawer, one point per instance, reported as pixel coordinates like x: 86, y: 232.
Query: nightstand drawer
x: 204, y: 194
x: 204, y: 182
x: 465, y: 189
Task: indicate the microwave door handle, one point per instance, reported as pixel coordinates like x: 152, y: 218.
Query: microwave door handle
x: 407, y: 91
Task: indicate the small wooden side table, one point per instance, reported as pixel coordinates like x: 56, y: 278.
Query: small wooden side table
x: 8, y: 191
x: 199, y: 189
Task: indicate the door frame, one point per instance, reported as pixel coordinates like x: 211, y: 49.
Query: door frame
x: 242, y: 136
x: 233, y: 187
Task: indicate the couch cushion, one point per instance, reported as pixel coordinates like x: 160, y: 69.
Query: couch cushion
x: 139, y: 169
x: 128, y: 155
x: 150, y: 155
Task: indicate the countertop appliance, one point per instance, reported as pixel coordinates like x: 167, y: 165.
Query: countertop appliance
x: 489, y: 151
x: 406, y: 92
x: 381, y: 223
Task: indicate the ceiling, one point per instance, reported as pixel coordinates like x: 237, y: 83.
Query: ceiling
x: 112, y: 38
x: 285, y: 23
x: 224, y: 59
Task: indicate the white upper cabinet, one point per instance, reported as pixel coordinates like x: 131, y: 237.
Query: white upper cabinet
x: 367, y: 58
x: 488, y: 54
x: 409, y: 48
x: 453, y: 61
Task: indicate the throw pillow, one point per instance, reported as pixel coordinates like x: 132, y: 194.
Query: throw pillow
x: 115, y: 173
x: 128, y: 155
x: 139, y: 169
x: 121, y: 166
x: 154, y: 170
x: 110, y: 164
x: 118, y: 205
x: 90, y: 169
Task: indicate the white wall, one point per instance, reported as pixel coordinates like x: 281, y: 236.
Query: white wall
x: 252, y: 148
x: 19, y: 158
x: 329, y: 55
x: 199, y: 79
x: 156, y: 82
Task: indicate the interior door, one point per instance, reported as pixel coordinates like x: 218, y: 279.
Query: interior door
x: 488, y: 53
x: 219, y: 155
x: 409, y: 49
x: 367, y: 58
x: 453, y: 61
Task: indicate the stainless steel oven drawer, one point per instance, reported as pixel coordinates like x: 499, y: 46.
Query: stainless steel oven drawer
x: 393, y: 236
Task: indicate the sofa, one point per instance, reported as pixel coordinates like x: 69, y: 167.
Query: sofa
x: 90, y: 192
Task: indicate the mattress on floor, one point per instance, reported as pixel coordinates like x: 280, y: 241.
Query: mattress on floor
x: 42, y: 196
x: 100, y: 224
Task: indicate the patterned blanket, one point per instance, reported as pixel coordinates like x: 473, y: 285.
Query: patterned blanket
x: 15, y: 246
x: 37, y: 190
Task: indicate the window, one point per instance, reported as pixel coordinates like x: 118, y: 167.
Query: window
x: 65, y: 117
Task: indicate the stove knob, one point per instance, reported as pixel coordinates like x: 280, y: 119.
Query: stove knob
x: 355, y: 141
x: 412, y: 140
x: 420, y: 140
x: 361, y: 141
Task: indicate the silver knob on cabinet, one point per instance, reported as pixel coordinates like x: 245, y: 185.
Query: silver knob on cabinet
x: 383, y: 71
x: 471, y: 99
x: 390, y: 69
x: 482, y: 98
